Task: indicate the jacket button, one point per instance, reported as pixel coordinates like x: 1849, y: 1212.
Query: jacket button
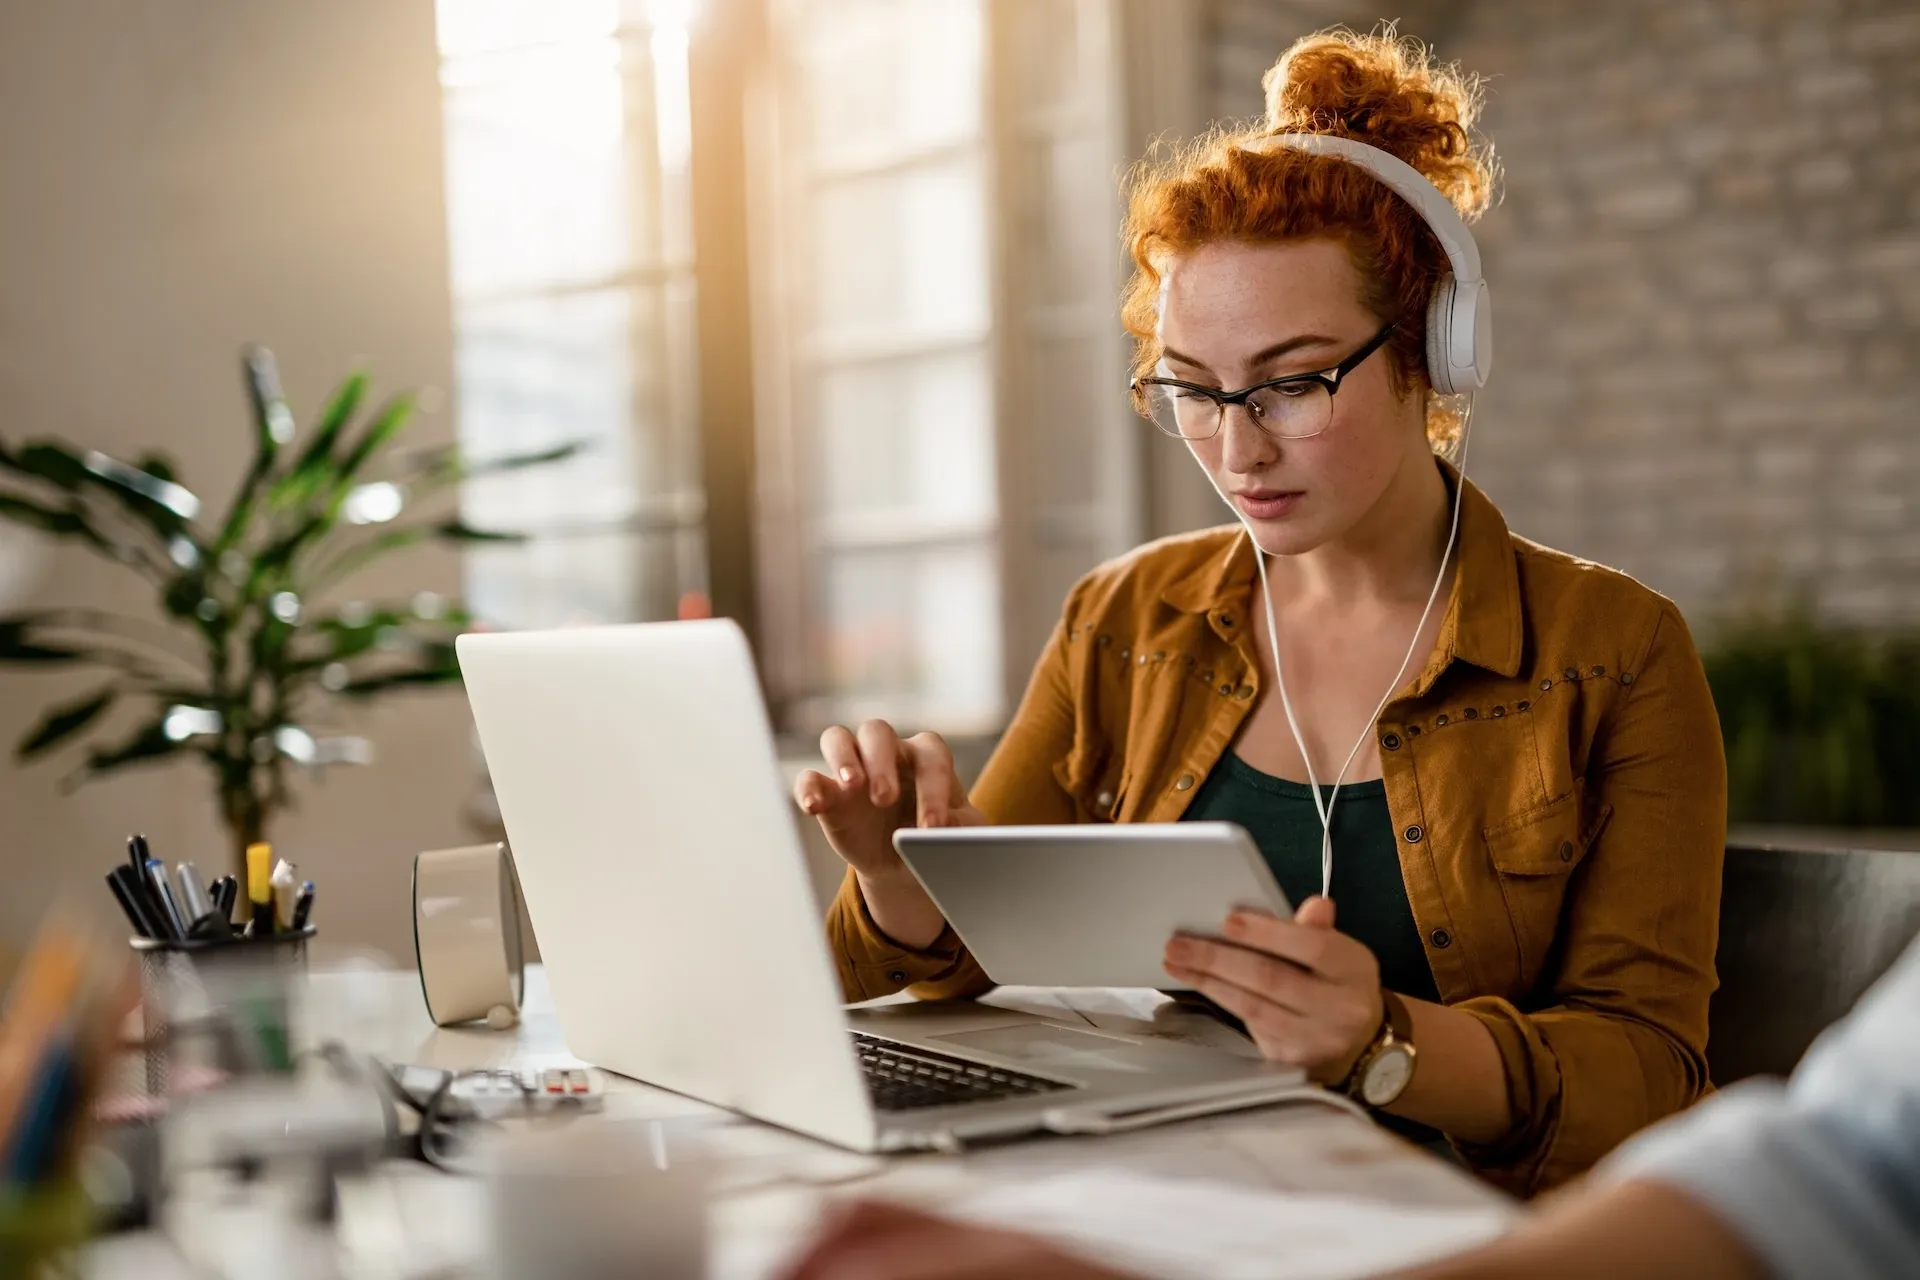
x: 1440, y: 719
x: 1103, y: 801
x: 1472, y: 713
x: 1244, y: 692
x: 1441, y: 939
x: 1626, y: 677
x: 896, y: 975
x: 1497, y: 712
x: 1413, y: 731
x: 1521, y: 705
x: 1566, y: 851
x: 1546, y: 685
x: 1571, y: 674
x: 1142, y: 659
x: 1599, y: 671
x: 1391, y: 742
x: 1105, y: 640
x: 1413, y: 834
x: 1226, y: 619
x: 1185, y: 783
x: 1126, y: 653
x: 1225, y: 689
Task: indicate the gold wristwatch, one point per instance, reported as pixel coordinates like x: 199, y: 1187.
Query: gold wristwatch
x: 1385, y: 1067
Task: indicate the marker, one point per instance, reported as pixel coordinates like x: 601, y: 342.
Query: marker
x: 260, y: 888
x: 169, y: 911
x: 283, y: 892
x: 126, y: 891
x: 303, y: 905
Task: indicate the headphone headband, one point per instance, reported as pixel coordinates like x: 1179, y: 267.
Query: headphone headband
x: 1407, y: 182
x: 1459, y: 314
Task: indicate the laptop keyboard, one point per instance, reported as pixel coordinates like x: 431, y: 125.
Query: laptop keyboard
x: 903, y: 1079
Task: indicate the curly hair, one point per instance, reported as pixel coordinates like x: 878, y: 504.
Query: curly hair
x: 1381, y: 89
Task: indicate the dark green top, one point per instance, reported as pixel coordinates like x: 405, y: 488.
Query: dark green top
x: 1370, y: 897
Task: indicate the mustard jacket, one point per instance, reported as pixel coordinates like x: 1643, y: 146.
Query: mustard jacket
x: 1555, y: 774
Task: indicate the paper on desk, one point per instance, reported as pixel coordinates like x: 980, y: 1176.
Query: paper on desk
x: 1173, y: 1229
x: 1136, y: 1011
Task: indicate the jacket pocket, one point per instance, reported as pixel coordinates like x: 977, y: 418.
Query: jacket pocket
x: 1093, y: 774
x: 1534, y: 854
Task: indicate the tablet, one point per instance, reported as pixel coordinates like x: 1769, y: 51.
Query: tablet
x: 1087, y: 906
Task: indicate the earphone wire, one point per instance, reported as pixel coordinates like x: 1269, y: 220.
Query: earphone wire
x: 1324, y: 808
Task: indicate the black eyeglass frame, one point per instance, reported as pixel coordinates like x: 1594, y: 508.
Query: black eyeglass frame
x: 1329, y: 378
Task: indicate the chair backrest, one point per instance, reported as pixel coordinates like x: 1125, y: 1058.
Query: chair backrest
x: 1803, y: 933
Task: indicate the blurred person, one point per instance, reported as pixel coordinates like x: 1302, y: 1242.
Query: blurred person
x: 1526, y: 850
x: 1818, y: 1179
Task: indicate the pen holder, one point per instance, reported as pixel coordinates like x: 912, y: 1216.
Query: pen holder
x: 217, y: 1007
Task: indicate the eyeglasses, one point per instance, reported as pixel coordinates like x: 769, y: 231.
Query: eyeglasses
x: 1295, y: 407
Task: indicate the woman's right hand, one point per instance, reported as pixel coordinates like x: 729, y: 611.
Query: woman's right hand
x: 880, y: 783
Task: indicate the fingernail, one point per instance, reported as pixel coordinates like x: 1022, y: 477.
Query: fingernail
x: 1236, y: 923
x: 1179, y: 949
x: 846, y: 775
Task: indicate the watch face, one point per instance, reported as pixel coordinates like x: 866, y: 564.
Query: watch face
x: 1387, y: 1075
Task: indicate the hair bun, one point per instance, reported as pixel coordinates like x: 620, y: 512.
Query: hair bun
x: 1388, y: 92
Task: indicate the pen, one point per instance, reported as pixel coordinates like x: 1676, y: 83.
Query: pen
x: 193, y: 898
x: 126, y: 890
x: 303, y: 905
x: 260, y: 888
x: 169, y: 911
x: 225, y: 890
x: 137, y: 855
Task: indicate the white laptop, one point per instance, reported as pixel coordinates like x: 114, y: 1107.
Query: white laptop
x: 660, y: 862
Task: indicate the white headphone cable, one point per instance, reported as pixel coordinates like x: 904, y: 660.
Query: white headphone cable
x: 1325, y: 807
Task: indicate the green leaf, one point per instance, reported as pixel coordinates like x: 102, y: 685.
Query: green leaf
x: 162, y: 506
x: 54, y: 463
x: 457, y: 530
x: 147, y: 744
x: 447, y: 465
x: 130, y: 482
x: 357, y: 631
x: 388, y: 423
x: 17, y: 646
x: 65, y: 524
x: 332, y: 483
x: 272, y: 427
x: 312, y: 472
x: 360, y: 555
x: 439, y: 667
x: 62, y: 722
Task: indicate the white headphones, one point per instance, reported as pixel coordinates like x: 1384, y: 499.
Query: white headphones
x: 1459, y: 311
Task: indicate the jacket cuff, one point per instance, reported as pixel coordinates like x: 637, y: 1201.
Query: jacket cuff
x: 873, y: 964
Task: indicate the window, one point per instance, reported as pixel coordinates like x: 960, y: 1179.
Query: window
x: 567, y: 141
x: 946, y: 436
x: 880, y: 565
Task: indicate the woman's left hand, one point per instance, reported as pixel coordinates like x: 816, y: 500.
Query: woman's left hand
x: 1310, y: 996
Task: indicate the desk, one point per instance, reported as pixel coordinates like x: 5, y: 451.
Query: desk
x: 771, y: 1185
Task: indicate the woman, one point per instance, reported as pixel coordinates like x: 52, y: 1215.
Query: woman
x: 1525, y: 853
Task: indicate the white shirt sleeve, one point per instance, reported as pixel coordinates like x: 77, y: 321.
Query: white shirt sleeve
x: 1821, y: 1175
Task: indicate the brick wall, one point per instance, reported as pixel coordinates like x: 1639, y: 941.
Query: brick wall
x: 1706, y: 269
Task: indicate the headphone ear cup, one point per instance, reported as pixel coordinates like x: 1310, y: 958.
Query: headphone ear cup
x: 1439, y: 335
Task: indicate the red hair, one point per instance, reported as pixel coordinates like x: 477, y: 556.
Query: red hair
x: 1379, y: 89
